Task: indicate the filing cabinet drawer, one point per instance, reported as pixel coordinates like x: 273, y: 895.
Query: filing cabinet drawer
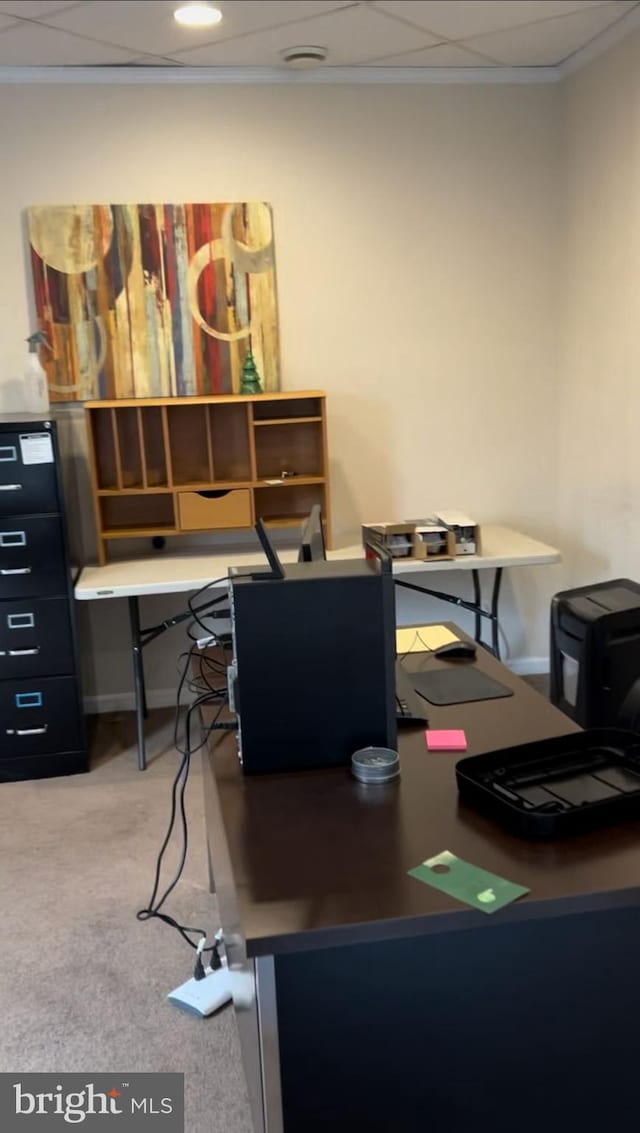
x: 27, y: 487
x: 35, y: 638
x: 39, y: 715
x: 43, y: 766
x: 31, y: 557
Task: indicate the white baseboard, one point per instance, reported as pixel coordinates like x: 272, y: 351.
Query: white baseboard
x: 125, y: 701
x: 528, y: 666
x: 166, y: 697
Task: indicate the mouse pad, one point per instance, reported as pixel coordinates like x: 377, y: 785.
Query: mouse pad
x: 457, y: 686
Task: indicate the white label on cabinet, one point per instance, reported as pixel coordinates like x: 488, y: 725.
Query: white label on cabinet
x: 36, y: 448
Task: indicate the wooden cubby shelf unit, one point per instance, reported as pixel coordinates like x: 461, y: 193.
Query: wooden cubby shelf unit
x: 174, y: 466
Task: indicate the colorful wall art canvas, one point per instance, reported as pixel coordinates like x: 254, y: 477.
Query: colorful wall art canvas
x: 154, y: 300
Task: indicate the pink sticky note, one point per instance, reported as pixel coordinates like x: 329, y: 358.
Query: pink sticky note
x: 446, y: 739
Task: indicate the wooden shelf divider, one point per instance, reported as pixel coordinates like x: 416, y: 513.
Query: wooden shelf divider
x: 167, y: 446
x: 210, y: 458
x: 116, y: 448
x: 252, y: 442
x: 143, y: 451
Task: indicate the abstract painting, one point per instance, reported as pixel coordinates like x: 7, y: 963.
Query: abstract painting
x: 154, y: 300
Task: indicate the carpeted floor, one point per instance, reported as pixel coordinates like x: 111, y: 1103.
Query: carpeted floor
x: 83, y: 984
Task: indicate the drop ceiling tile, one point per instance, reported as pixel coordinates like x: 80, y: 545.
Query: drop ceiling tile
x: 352, y: 35
x: 460, y: 19
x: 148, y: 25
x: 34, y: 45
x: 443, y: 55
x: 547, y: 43
x: 35, y: 9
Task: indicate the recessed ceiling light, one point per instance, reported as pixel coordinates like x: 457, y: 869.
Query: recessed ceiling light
x: 197, y: 15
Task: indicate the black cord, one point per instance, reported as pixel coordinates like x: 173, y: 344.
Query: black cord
x: 195, y: 611
x: 209, y: 694
x: 185, y: 747
x: 181, y: 776
x: 141, y: 914
x: 443, y: 597
x: 209, y: 667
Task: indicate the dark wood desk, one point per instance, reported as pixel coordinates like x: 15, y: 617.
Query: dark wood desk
x: 384, y: 1006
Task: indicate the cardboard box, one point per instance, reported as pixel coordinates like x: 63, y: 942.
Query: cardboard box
x: 425, y: 541
x: 438, y: 542
x: 466, y: 531
x: 399, y: 539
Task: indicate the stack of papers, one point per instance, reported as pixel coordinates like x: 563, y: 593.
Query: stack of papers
x: 422, y: 639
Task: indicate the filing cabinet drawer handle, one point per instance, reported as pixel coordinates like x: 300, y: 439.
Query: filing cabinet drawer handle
x: 10, y: 487
x: 24, y: 652
x: 30, y: 731
x: 17, y: 570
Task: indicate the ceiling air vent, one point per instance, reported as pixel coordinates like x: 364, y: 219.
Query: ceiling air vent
x: 304, y: 57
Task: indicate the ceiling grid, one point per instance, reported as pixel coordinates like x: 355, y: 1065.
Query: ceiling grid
x: 367, y: 41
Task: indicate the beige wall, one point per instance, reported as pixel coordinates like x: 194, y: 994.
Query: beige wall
x: 417, y: 237
x: 598, y: 420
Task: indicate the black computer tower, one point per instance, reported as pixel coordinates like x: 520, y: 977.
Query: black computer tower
x: 41, y: 713
x: 595, y: 652
x: 314, y: 656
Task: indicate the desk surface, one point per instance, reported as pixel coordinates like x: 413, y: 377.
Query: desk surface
x: 166, y: 572
x: 314, y: 859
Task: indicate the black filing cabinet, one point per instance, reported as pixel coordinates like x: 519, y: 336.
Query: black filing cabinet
x: 41, y: 720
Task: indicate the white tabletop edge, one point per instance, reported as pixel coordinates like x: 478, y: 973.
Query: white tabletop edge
x: 181, y: 573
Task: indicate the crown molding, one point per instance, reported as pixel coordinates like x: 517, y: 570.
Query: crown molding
x: 205, y: 76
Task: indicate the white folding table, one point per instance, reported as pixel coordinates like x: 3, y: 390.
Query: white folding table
x: 166, y: 572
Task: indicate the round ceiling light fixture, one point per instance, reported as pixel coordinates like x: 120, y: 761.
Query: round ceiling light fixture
x: 197, y: 15
x: 304, y: 58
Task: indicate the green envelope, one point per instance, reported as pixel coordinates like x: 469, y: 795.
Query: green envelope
x: 468, y: 883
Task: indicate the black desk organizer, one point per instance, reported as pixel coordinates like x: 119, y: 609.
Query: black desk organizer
x: 41, y: 718
x: 555, y: 787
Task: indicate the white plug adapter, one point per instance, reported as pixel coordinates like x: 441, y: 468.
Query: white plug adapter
x: 203, y: 997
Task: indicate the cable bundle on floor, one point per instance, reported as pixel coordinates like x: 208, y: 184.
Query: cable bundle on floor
x: 205, y: 693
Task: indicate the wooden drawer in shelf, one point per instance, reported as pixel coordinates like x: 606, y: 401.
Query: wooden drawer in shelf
x: 214, y: 510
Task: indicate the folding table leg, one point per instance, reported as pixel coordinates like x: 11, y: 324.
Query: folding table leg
x: 138, y: 678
